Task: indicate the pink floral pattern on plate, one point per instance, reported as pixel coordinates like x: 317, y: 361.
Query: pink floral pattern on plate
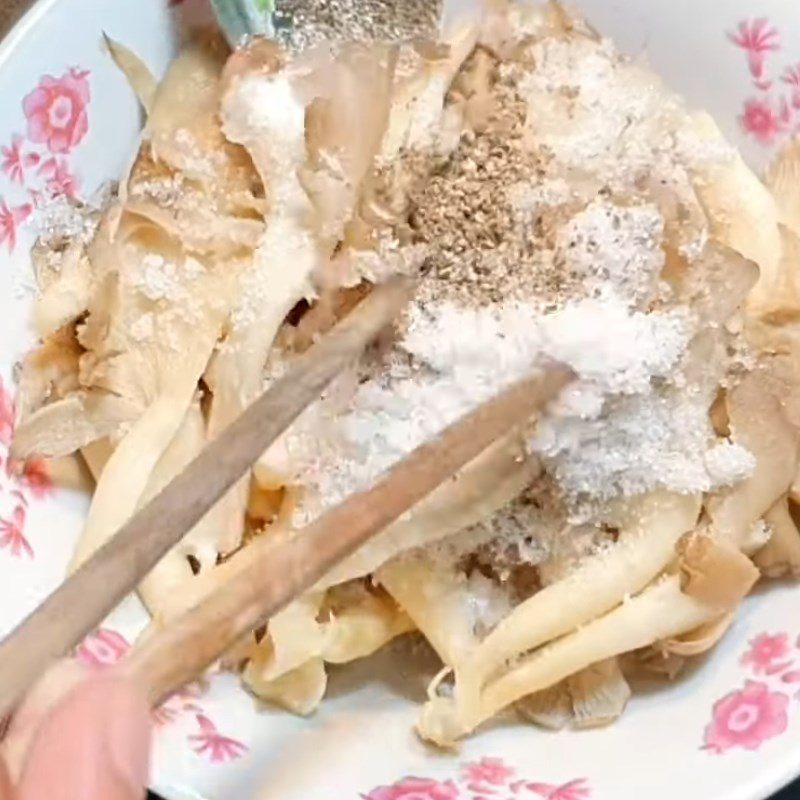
x: 211, y: 743
x: 106, y: 647
x: 487, y: 779
x: 56, y: 111
x: 12, y: 529
x: 37, y: 163
x: 20, y: 483
x: 770, y: 114
x: 11, y: 217
x: 103, y: 648
x: 758, y: 711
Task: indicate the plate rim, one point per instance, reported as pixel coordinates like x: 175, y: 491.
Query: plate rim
x: 778, y: 772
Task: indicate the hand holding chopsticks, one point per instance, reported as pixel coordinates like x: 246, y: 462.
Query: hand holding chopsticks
x: 82, y: 601
x: 277, y: 567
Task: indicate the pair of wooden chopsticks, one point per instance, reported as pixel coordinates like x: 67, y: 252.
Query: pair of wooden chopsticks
x: 282, y: 566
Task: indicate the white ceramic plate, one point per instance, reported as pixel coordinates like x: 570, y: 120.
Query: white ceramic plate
x: 726, y: 730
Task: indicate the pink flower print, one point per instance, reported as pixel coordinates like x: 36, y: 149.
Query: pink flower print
x: 56, y: 111
x: 488, y: 772
x: 176, y: 704
x: 15, y: 162
x: 765, y: 650
x: 60, y: 179
x: 746, y: 718
x: 415, y: 789
x: 762, y: 121
x: 791, y: 77
x: 210, y: 741
x: 103, y: 648
x: 12, y: 163
x: 35, y: 478
x: 574, y: 790
x: 10, y: 220
x: 757, y: 38
x: 778, y: 668
x: 7, y: 414
x: 12, y: 532
x: 31, y: 475
x: 165, y: 714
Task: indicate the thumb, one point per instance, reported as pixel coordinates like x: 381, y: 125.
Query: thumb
x: 95, y: 744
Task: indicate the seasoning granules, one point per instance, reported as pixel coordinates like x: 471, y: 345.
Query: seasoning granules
x: 537, y: 241
x: 303, y: 23
x: 481, y: 249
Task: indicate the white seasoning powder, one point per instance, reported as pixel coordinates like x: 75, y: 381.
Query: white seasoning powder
x: 491, y: 341
x: 60, y: 218
x: 159, y: 279
x: 618, y: 349
x: 596, y: 200
x: 265, y: 102
x: 197, y: 163
x: 728, y: 463
x: 282, y: 267
x: 613, y: 246
x: 265, y: 114
x: 142, y: 329
x: 166, y: 191
x: 615, y: 432
x: 638, y: 444
x: 592, y: 106
x: 164, y: 281
x: 527, y: 199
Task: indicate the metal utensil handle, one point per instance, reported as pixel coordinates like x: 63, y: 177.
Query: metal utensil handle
x: 240, y: 19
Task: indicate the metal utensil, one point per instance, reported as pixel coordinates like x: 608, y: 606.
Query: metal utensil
x: 241, y: 19
x: 301, y: 23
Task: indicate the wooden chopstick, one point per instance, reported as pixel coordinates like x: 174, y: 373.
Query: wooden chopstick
x: 281, y: 566
x: 79, y: 604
